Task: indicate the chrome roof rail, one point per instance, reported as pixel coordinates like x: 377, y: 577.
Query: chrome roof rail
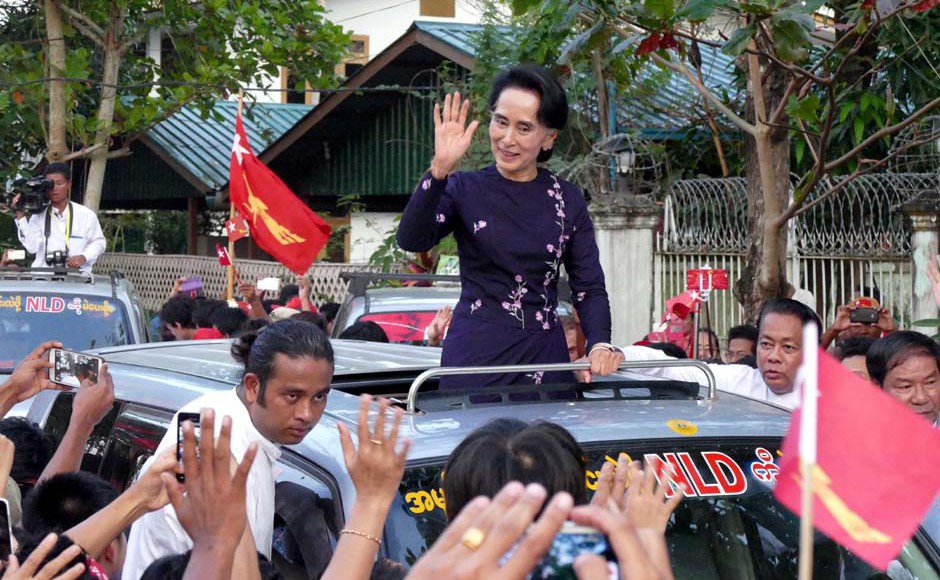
x: 411, y: 406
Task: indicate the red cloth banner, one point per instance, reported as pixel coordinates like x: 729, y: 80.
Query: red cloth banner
x: 877, y: 470
x: 280, y: 222
x: 706, y: 279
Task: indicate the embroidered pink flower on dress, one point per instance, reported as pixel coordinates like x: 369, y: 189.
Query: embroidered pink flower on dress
x: 536, y: 377
x: 476, y: 305
x: 426, y: 184
x: 441, y: 218
x: 479, y: 226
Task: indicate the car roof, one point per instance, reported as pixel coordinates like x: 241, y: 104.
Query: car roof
x: 169, y: 375
x: 212, y: 359
x: 25, y: 281
x: 435, y: 435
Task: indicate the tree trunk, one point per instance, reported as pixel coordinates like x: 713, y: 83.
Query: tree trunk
x: 56, y: 143
x: 767, y: 165
x: 109, y: 78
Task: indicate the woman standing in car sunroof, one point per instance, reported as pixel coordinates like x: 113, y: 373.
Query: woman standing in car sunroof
x: 515, y: 225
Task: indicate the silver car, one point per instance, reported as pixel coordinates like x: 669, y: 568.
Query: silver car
x: 723, y: 447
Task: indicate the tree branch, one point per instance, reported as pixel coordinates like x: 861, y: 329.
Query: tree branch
x: 700, y: 87
x: 84, y: 24
x: 794, y: 211
x: 809, y: 142
x: 83, y: 152
x: 889, y: 130
x: 782, y: 105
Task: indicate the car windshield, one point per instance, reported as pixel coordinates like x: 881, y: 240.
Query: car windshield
x: 78, y: 321
x: 731, y: 527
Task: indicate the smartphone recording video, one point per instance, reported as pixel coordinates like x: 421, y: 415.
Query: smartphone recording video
x: 864, y: 315
x: 572, y: 541
x: 197, y: 431
x: 71, y: 368
x: 6, y: 531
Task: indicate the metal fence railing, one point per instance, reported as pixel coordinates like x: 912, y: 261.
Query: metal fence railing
x: 852, y: 243
x: 832, y: 280
x: 154, y: 275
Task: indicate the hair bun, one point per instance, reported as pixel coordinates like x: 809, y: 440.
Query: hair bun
x: 241, y: 346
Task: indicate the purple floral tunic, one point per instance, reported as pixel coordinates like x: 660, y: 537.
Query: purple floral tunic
x: 512, y: 238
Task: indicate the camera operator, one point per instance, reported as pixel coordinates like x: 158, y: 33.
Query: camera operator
x: 65, y: 233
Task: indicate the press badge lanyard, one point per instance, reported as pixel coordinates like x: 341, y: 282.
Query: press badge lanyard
x: 68, y: 227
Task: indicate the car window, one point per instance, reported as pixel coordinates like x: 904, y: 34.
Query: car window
x: 137, y: 433
x: 308, y: 517
x: 80, y: 322
x: 58, y: 422
x: 402, y: 326
x: 730, y: 528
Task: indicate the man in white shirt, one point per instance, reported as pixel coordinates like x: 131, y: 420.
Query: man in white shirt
x: 779, y: 354
x: 288, y: 371
x: 64, y: 226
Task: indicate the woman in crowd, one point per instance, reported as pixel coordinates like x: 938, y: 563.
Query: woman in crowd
x: 516, y: 224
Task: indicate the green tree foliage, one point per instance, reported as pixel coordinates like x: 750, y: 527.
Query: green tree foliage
x: 840, y: 100
x: 210, y: 50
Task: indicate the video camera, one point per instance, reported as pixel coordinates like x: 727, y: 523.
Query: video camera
x: 33, y: 194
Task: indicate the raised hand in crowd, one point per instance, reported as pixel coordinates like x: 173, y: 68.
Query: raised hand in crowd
x: 253, y: 297
x: 612, y: 483
x: 477, y: 540
x: 213, y: 510
x: 29, y: 378
x: 933, y: 273
x: 91, y: 403
x: 147, y: 494
x: 885, y: 321
x: 376, y: 463
x: 635, y: 518
x: 452, y: 135
x: 32, y: 567
x: 7, y: 450
x: 438, y: 326
x: 177, y: 287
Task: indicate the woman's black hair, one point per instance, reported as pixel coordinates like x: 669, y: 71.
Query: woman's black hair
x: 553, y: 103
x: 888, y: 352
x: 292, y: 338
x: 507, y: 450
x: 673, y: 350
x: 789, y: 307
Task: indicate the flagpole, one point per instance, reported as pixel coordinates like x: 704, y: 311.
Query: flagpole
x: 808, y: 438
x: 230, y: 291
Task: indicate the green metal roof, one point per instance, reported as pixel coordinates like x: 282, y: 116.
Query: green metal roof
x: 203, y: 147
x: 461, y: 36
x: 661, y: 105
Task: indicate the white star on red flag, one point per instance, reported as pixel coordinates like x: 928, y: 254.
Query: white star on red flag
x: 238, y: 149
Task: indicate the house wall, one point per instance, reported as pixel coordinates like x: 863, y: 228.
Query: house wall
x: 367, y: 232
x: 386, y: 20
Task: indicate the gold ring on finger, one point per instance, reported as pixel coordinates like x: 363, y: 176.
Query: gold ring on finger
x: 473, y: 538
x: 377, y: 441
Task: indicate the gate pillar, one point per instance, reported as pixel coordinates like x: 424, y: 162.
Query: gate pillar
x: 924, y: 213
x: 625, y: 236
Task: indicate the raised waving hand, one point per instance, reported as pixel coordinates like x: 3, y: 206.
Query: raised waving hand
x: 452, y: 135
